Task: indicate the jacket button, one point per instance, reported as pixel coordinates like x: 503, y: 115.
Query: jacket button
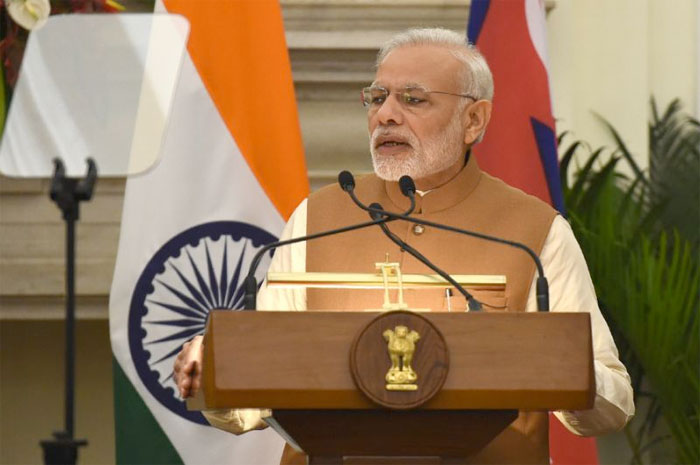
x: 418, y: 229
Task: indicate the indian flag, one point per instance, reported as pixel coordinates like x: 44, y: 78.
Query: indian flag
x: 232, y: 170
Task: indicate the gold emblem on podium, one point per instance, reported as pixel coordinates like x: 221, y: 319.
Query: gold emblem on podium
x: 401, y: 346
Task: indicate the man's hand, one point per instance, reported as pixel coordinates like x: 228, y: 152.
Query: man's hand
x: 187, y: 370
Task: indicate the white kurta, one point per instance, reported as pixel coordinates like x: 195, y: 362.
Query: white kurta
x: 570, y: 289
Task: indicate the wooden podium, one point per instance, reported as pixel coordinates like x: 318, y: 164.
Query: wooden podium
x: 299, y: 365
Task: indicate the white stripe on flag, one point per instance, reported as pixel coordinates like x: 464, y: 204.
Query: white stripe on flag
x: 537, y: 26
x: 202, y: 177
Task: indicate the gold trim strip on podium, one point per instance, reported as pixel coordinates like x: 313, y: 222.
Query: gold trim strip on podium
x: 375, y: 280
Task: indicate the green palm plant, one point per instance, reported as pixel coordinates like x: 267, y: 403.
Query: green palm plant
x: 674, y: 169
x: 640, y: 238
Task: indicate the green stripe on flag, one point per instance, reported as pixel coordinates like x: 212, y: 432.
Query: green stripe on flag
x: 138, y: 436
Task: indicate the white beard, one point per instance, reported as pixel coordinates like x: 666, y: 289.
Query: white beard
x: 423, y: 159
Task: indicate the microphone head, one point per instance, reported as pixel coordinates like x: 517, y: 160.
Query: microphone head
x: 407, y: 186
x: 374, y: 214
x: 346, y: 181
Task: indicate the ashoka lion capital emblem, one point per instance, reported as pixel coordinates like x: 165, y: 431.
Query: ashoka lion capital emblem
x: 401, y: 346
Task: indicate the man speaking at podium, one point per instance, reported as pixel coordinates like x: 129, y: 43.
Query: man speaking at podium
x: 429, y: 103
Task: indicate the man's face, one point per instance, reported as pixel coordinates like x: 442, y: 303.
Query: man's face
x: 423, y: 139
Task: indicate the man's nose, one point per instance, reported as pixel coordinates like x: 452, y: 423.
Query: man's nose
x: 390, y: 112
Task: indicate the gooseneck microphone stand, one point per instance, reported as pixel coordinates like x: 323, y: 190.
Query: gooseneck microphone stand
x: 347, y: 183
x: 374, y: 209
x: 67, y: 193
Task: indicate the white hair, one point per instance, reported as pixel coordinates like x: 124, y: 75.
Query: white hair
x: 476, y: 77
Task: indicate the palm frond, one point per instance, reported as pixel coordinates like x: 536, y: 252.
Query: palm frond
x: 640, y: 240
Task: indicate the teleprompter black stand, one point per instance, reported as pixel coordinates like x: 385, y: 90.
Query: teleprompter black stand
x: 68, y: 193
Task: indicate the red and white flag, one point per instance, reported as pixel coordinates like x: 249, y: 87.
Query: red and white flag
x: 520, y: 144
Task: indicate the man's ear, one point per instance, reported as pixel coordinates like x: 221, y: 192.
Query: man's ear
x: 476, y: 117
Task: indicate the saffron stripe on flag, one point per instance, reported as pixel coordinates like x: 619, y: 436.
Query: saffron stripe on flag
x: 250, y: 81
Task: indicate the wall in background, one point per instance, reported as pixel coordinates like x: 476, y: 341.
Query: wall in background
x: 610, y: 57
x: 32, y: 389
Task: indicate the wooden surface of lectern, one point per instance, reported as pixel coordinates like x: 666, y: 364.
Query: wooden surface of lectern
x: 337, y: 387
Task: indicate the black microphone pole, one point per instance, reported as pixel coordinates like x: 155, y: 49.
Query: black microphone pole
x: 542, y: 287
x: 251, y: 284
x: 408, y: 188
x: 347, y: 183
x: 474, y: 305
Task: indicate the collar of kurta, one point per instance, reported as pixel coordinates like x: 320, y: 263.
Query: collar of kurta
x: 441, y: 198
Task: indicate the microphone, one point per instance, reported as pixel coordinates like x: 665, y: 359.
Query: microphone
x: 474, y: 304
x: 408, y: 189
x: 346, y: 181
x: 406, y: 184
x: 542, y: 286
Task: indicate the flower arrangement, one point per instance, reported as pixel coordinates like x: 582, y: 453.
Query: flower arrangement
x: 18, y: 18
x: 29, y: 14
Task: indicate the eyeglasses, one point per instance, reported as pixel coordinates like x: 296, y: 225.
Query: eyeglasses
x: 410, y: 97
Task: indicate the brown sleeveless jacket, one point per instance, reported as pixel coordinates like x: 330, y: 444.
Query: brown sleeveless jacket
x: 472, y: 200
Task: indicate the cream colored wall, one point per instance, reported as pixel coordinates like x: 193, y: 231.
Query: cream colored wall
x: 674, y: 46
x: 609, y: 57
x: 32, y: 389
